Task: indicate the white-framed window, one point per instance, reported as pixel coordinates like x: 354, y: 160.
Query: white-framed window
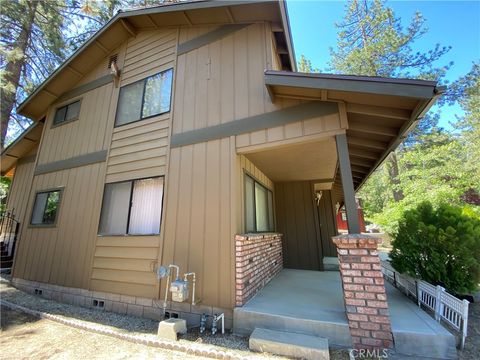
x: 259, y: 215
x: 132, y: 207
x: 45, y: 207
x: 144, y: 98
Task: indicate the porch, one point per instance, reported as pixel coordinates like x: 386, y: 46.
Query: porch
x: 311, y: 302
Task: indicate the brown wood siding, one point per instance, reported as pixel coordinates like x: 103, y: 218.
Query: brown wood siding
x: 77, y: 138
x: 306, y: 228
x: 223, y: 81
x: 18, y: 194
x: 125, y: 264
x: 199, y: 223
x: 62, y: 254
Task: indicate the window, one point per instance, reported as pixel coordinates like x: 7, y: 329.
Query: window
x: 67, y: 113
x: 132, y: 207
x: 258, y: 207
x: 144, y: 98
x: 45, y: 208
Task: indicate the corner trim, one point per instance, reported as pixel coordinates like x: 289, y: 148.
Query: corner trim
x: 76, y: 161
x: 104, y: 80
x: 208, y: 38
x: 253, y: 123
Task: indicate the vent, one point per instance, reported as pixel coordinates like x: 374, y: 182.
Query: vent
x: 98, y: 303
x: 113, y: 59
x: 38, y: 292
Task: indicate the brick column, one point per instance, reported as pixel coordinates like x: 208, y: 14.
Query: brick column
x: 364, y: 291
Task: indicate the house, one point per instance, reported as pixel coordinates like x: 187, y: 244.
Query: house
x: 182, y: 134
x: 342, y: 224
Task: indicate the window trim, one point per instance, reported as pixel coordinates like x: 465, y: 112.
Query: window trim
x: 99, y: 234
x: 115, y: 125
x: 66, y: 104
x: 60, y: 189
x: 255, y: 181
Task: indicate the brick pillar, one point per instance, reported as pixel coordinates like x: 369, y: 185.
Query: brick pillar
x: 364, y: 291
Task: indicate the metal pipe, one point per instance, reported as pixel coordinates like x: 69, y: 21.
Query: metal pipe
x: 193, y: 285
x: 215, y: 321
x: 168, y: 285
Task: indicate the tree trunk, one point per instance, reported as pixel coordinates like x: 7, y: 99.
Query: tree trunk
x: 393, y: 172
x: 13, y: 70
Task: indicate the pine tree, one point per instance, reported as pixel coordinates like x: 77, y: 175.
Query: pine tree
x: 305, y: 65
x: 373, y: 42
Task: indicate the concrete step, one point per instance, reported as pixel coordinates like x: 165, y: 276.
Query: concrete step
x: 334, y: 327
x: 289, y: 344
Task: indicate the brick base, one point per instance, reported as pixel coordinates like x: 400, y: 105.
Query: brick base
x: 258, y: 259
x: 364, y: 291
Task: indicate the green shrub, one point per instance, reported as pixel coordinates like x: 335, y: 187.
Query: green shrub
x: 440, y: 246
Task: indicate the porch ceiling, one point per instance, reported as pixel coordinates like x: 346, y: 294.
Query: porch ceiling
x: 307, y: 161
x: 380, y: 111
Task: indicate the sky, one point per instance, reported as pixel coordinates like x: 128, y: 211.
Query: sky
x: 450, y: 23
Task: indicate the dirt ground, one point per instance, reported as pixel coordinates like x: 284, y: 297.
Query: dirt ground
x: 26, y: 337
x: 472, y: 345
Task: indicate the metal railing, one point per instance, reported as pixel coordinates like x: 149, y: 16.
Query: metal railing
x: 8, y: 235
x: 445, y: 307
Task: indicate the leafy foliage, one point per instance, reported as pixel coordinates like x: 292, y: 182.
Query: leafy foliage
x: 305, y: 65
x: 439, y: 245
x: 4, y: 187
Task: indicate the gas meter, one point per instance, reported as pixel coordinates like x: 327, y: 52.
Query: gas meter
x: 179, y: 290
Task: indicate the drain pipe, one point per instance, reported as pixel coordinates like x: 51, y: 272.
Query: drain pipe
x: 193, y: 283
x: 215, y: 320
x: 168, y: 284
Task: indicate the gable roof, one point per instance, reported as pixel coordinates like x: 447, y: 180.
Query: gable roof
x: 126, y: 24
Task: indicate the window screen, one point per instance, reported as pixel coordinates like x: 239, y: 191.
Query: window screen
x: 45, y: 208
x: 259, y: 215
x: 144, y: 98
x: 67, y: 113
x: 132, y: 207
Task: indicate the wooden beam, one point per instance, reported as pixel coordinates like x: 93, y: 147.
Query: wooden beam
x: 76, y: 72
x: 103, y: 48
x: 364, y: 154
x: 152, y: 21
x: 366, y: 143
x: 129, y: 27
x: 360, y: 161
x: 187, y: 19
x: 381, y: 111
x: 50, y: 93
x: 359, y: 169
x: 229, y: 14
x: 347, y: 184
x: 372, y: 129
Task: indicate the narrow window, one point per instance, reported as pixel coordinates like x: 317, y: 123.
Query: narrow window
x: 144, y: 98
x: 45, y: 208
x: 258, y: 207
x: 67, y: 113
x: 132, y: 207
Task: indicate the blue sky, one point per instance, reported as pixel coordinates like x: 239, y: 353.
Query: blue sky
x: 450, y: 23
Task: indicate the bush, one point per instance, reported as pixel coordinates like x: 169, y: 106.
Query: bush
x: 440, y: 246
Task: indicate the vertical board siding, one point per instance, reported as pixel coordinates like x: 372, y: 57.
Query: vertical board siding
x: 61, y: 254
x: 307, y: 229
x: 77, y: 138
x: 18, y: 193
x: 296, y: 130
x: 223, y: 81
x: 198, y: 230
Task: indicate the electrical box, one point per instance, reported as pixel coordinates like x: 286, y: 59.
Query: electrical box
x: 179, y: 290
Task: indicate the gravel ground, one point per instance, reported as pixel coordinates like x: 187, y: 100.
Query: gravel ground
x: 27, y: 337
x: 471, y: 350
x: 144, y: 328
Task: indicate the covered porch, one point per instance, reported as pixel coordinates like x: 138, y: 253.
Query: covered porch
x: 311, y: 302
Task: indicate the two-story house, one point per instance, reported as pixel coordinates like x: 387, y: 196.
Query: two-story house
x: 173, y: 130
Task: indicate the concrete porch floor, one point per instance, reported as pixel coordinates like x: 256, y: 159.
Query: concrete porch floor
x: 311, y: 302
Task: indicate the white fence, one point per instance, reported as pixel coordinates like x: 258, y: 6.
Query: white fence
x: 444, y: 306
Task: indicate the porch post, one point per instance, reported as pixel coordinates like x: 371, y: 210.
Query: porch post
x: 364, y: 291
x: 347, y: 184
